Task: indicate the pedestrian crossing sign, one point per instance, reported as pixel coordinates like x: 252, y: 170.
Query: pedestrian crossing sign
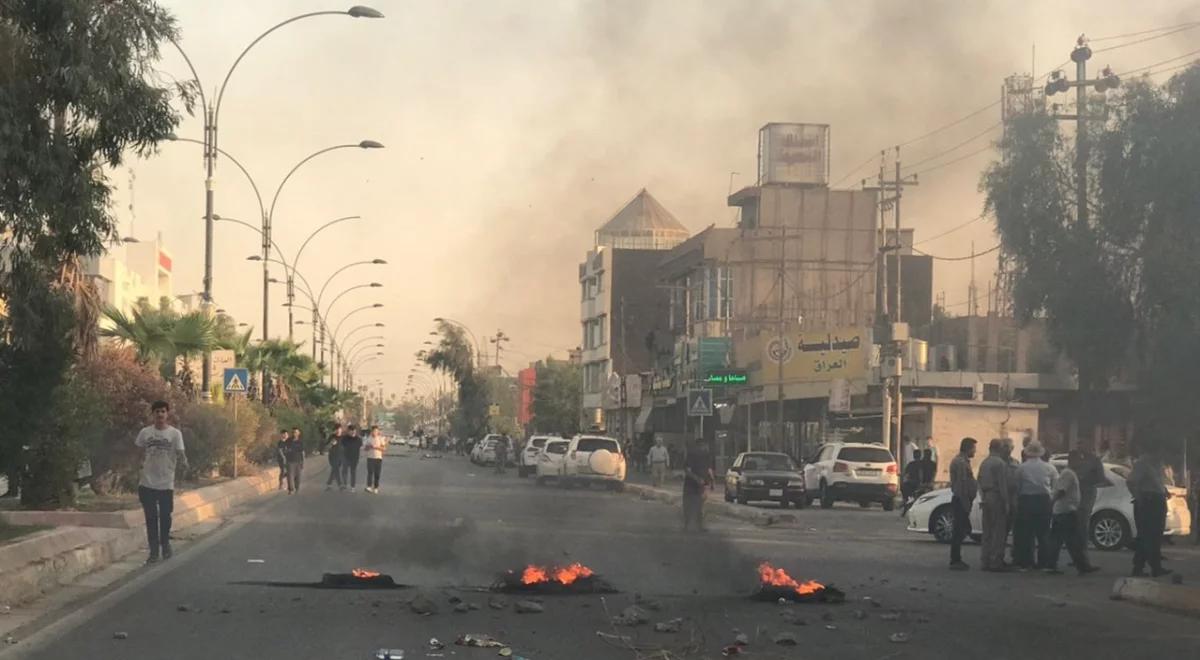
x: 236, y: 380
x: 700, y: 403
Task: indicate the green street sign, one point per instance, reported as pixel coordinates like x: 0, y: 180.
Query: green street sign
x: 728, y: 377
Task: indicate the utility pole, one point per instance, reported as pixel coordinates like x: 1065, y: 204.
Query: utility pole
x: 783, y: 340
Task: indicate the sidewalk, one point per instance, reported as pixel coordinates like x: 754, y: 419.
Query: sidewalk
x: 641, y: 484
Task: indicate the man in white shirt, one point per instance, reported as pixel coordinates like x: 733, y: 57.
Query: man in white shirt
x: 1066, y: 517
x: 1035, y: 481
x: 373, y: 448
x: 163, y: 445
x: 660, y: 461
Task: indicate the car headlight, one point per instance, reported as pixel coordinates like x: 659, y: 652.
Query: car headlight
x: 755, y: 482
x: 796, y: 482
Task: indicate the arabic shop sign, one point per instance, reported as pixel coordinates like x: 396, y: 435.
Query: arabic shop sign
x: 806, y: 357
x: 726, y: 377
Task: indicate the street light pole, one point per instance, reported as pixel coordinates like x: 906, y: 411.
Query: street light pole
x: 211, y: 115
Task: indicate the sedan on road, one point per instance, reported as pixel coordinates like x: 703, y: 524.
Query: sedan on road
x: 765, y: 476
x: 1112, y: 524
x: 527, y: 459
x: 551, y: 460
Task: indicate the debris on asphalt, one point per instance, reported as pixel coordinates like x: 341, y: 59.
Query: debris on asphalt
x: 9, y: 639
x: 453, y: 600
x: 120, y: 635
x: 505, y: 651
x: 783, y: 601
x: 1177, y: 578
x: 1059, y: 603
x: 648, y: 603
x: 792, y: 617
x: 830, y: 626
x: 921, y: 618
x: 860, y: 615
x: 611, y: 638
x: 528, y: 607
x: 422, y: 605
x: 732, y: 649
x: 226, y: 610
x: 389, y: 654
x: 785, y: 639
x: 898, y: 638
x: 256, y: 561
x: 741, y: 639
x: 872, y: 602
x: 890, y: 616
x: 183, y: 608
x: 497, y: 603
x: 475, y: 639
x: 472, y: 606
x: 631, y: 616
x: 462, y: 607
x: 436, y: 644
x: 672, y: 626
x: 5, y: 609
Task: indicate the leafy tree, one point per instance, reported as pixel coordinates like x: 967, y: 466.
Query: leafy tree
x: 1120, y: 282
x: 163, y: 336
x: 453, y: 356
x: 557, y: 397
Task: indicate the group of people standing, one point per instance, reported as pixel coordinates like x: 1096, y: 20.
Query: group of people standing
x: 1046, y: 509
x: 344, y: 447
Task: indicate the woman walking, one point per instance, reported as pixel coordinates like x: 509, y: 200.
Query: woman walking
x: 374, y: 447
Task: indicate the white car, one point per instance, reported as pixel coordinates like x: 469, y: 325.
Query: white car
x: 1112, y: 525
x: 484, y: 451
x: 527, y: 459
x: 595, y: 458
x: 852, y: 472
x: 552, y: 460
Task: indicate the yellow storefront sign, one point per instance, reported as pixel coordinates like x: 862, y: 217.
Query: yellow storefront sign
x: 807, y: 357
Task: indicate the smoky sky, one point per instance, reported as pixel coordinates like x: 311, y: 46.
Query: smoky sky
x: 514, y: 129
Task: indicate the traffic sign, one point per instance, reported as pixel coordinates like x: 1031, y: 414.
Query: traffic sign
x: 700, y: 403
x: 236, y: 381
x: 726, y: 377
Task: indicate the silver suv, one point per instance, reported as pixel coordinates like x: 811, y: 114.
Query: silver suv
x: 852, y: 472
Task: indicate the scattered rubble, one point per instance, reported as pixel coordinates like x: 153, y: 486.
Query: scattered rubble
x: 742, y: 639
x: 497, y: 603
x: 672, y: 626
x: 120, y: 635
x: 422, y: 605
x: 785, y: 639
x: 475, y: 639
x: 921, y: 618
x: 830, y: 626
x: 528, y: 607
x: 890, y: 616
x: 462, y: 607
x: 898, y: 638
x: 183, y: 608
x: 436, y: 644
x: 732, y: 649
x: 631, y: 616
x: 648, y: 603
x: 389, y: 654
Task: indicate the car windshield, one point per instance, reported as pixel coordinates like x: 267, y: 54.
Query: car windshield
x: 537, y: 442
x: 1120, y: 471
x: 556, y: 448
x: 768, y: 462
x: 865, y: 455
x: 596, y: 444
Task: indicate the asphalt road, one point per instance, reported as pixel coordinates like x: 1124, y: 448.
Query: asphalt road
x: 446, y: 527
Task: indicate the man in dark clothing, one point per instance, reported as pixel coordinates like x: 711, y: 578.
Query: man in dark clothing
x: 697, y: 479
x: 1149, y: 491
x: 333, y: 449
x: 928, y: 469
x: 351, y: 447
x: 501, y: 451
x: 910, y: 483
x: 293, y: 455
x: 1091, y: 476
x: 281, y: 456
x: 963, y: 488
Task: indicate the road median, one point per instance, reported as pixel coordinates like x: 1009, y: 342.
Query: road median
x: 718, y: 507
x: 83, y: 542
x: 1161, y: 594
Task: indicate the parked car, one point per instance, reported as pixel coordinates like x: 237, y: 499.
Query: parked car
x: 527, y: 459
x: 484, y: 451
x: 852, y: 472
x: 769, y: 476
x: 1112, y: 525
x: 551, y: 460
x: 595, y: 458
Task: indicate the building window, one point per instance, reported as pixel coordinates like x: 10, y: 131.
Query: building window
x: 602, y: 330
x: 600, y: 282
x: 593, y: 376
x: 696, y: 296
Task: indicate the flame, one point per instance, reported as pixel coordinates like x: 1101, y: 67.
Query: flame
x: 778, y: 577
x: 561, y: 574
x: 363, y: 574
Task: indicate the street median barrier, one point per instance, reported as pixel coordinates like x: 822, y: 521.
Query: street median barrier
x: 1162, y: 594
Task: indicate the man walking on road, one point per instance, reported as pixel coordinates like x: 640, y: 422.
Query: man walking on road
x: 994, y: 501
x: 281, y: 456
x: 1066, y: 517
x: 660, y: 461
x: 1091, y: 477
x: 351, y: 446
x: 1035, y: 481
x: 1149, y: 491
x: 293, y: 455
x: 374, y: 447
x: 697, y: 479
x: 963, y: 490
x: 333, y: 449
x: 501, y: 452
x: 163, y: 445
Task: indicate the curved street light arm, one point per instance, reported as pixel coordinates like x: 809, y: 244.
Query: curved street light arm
x: 360, y: 341
x: 278, y: 250
x: 338, y: 327
x: 196, y: 77
x: 318, y: 230
x: 460, y: 324
x: 363, y: 359
x: 343, y: 293
x: 274, y: 200
x: 306, y: 290
x: 321, y: 294
x: 224, y: 83
x: 355, y: 353
x: 261, y: 208
x: 355, y: 330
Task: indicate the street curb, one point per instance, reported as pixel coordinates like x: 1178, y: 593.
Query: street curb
x: 30, y: 567
x: 720, y: 508
x: 1173, y: 597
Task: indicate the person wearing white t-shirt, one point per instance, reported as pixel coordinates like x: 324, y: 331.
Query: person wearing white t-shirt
x: 163, y: 445
x: 373, y: 447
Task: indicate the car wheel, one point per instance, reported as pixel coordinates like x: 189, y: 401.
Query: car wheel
x: 1110, y: 531
x: 826, y: 496
x: 889, y: 504
x: 617, y: 486
x: 783, y: 504
x: 941, y: 524
x: 741, y: 497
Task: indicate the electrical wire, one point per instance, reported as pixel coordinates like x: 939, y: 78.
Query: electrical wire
x: 1138, y: 34
x: 953, y: 229
x: 1145, y: 39
x: 956, y: 160
x: 1167, y: 61
x: 963, y: 258
x: 851, y: 172
x: 965, y: 142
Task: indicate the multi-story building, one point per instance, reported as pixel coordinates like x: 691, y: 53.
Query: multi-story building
x: 130, y: 272
x: 621, y: 306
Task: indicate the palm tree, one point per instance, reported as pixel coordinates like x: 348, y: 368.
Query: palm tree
x: 163, y: 336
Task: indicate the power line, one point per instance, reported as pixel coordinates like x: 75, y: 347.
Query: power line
x: 1145, y: 39
x: 965, y: 142
x: 951, y: 162
x: 1166, y: 61
x: 1151, y: 31
x: 953, y: 229
x: 1173, y: 68
x: 856, y: 168
x: 963, y: 258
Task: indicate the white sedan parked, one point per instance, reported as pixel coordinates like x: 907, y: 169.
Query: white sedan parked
x: 551, y: 460
x: 1112, y: 525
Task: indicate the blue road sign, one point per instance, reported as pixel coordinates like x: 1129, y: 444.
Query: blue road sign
x: 236, y: 381
x: 700, y: 403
